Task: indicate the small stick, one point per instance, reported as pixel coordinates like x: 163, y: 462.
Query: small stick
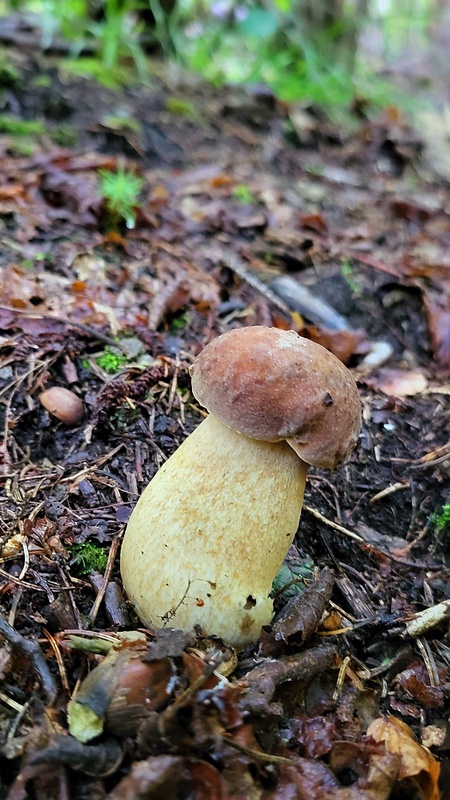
x: 429, y: 661
x: 249, y: 751
x: 77, y: 325
x: 396, y: 487
x: 101, y: 592
x: 59, y: 659
x: 234, y: 263
x: 334, y: 525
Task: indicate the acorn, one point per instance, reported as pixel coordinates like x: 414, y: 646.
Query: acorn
x: 63, y: 404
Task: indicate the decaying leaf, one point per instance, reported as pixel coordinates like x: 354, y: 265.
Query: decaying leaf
x: 416, y: 762
x: 397, y: 383
x: 119, y: 692
x: 416, y: 682
x: 301, y: 615
x: 151, y: 779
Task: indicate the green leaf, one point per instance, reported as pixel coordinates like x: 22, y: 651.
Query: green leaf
x: 259, y: 24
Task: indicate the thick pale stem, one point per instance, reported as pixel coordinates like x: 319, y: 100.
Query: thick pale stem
x: 210, y: 532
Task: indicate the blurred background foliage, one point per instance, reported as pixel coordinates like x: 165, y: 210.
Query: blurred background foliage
x: 329, y: 52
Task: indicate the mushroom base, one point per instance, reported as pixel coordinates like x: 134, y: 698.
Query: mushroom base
x: 210, y: 532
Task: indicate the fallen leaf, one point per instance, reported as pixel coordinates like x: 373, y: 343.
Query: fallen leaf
x: 416, y: 762
x: 152, y: 779
x: 397, y: 382
x: 301, y: 615
x: 415, y: 681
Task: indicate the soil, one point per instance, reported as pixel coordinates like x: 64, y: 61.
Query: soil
x: 239, y: 190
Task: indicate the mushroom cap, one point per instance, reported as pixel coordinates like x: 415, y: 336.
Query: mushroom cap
x: 272, y: 384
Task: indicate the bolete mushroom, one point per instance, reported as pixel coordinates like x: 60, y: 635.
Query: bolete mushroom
x: 211, y: 530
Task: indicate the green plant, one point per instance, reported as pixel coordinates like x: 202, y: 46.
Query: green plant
x: 120, y: 190
x: 181, y: 107
x: 111, y: 360
x: 347, y: 273
x: 88, y: 557
x: 117, y: 35
x: 112, y: 78
x: 121, y: 418
x: 244, y: 194
x: 20, y: 127
x: 180, y: 321
x: 9, y: 74
x: 441, y: 519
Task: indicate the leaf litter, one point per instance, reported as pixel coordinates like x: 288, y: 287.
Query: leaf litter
x: 346, y: 693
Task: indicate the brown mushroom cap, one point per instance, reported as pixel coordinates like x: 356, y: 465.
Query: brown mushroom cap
x: 271, y: 384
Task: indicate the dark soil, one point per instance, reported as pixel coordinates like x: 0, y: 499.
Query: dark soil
x: 238, y: 191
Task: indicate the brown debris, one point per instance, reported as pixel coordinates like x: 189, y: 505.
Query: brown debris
x: 300, y: 617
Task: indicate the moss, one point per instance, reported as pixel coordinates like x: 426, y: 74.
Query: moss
x: 181, y: 107
x: 244, y: 194
x: 111, y: 360
x: 88, y: 557
x: 112, y: 78
x: 21, y: 127
x: 441, y: 519
x: 117, y: 122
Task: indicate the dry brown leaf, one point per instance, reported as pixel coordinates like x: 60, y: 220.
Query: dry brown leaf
x: 398, y: 382
x: 416, y: 761
x: 343, y: 344
x: 301, y: 615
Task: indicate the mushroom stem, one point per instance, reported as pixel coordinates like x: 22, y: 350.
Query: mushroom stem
x: 210, y: 532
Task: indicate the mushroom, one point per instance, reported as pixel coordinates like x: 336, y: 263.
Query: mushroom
x: 210, y: 532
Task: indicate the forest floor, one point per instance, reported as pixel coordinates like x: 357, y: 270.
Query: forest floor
x: 239, y: 190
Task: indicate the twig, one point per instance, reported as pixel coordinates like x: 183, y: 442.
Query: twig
x: 396, y: 487
x: 234, y: 263
x: 439, y: 451
x: 77, y: 325
x: 32, y: 651
x: 334, y: 525
x: 101, y: 592
x: 249, y: 751
x: 429, y: 661
x: 18, y: 582
x: 59, y: 659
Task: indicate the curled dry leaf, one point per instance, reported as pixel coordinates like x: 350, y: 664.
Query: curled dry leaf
x: 343, y: 344
x: 301, y: 615
x: 416, y: 682
x: 416, y: 762
x: 119, y: 693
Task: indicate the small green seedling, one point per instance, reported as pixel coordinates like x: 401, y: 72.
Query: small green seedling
x: 181, y: 107
x: 441, y: 519
x: 111, y: 360
x: 347, y: 273
x: 88, y: 557
x: 121, y: 190
x: 244, y: 194
x: 20, y: 127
